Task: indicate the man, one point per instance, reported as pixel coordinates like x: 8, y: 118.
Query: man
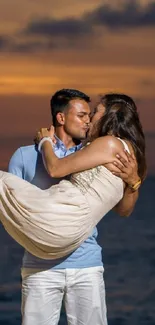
x: 78, y: 278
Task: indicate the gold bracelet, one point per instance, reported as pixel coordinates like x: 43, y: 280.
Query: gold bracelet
x: 136, y: 186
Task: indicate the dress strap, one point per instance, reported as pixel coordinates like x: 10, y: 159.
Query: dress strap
x: 125, y: 145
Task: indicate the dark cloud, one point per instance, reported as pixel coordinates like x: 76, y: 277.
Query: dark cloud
x: 22, y: 46
x: 75, y: 33
x: 51, y: 34
x: 130, y: 16
x: 66, y: 28
x: 28, y: 47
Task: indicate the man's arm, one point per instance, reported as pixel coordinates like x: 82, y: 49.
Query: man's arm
x: 125, y: 207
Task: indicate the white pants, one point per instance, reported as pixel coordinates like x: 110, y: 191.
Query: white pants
x: 83, y: 292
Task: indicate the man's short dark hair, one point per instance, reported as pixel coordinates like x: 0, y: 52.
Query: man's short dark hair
x: 61, y: 99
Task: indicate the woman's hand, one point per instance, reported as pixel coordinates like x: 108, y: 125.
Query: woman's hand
x: 44, y: 132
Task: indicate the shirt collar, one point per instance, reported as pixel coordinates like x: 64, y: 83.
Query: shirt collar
x: 60, y: 144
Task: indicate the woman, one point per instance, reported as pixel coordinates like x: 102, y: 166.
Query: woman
x: 54, y: 222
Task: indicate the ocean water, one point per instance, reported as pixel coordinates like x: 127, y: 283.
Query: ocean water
x: 129, y: 260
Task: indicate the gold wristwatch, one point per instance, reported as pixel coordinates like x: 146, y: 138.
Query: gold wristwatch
x: 136, y: 186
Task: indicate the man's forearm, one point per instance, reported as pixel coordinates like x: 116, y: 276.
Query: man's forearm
x: 125, y: 207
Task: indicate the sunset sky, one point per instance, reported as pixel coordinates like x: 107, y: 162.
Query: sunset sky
x: 92, y: 45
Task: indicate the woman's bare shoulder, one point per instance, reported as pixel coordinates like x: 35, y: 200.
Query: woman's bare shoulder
x: 108, y: 141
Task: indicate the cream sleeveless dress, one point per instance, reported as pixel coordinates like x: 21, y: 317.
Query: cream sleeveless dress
x: 54, y: 222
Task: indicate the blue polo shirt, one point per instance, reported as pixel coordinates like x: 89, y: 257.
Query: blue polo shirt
x: 27, y: 163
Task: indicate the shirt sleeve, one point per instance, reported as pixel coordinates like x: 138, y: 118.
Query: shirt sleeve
x: 16, y: 165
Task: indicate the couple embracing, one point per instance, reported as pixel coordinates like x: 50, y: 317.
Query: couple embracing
x: 60, y: 190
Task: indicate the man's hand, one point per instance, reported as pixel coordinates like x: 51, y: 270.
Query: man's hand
x: 127, y: 169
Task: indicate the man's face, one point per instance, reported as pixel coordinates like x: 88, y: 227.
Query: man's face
x: 77, y: 119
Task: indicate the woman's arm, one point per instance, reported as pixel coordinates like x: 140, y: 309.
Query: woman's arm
x: 99, y: 152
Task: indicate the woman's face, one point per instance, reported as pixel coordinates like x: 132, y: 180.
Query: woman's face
x: 98, y: 113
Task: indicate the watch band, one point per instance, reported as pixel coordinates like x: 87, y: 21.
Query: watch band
x: 135, y: 187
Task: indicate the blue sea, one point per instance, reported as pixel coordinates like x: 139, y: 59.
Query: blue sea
x: 129, y: 260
